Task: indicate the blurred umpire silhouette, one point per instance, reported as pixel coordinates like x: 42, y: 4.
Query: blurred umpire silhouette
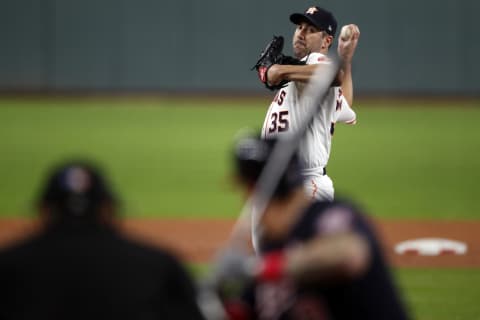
x: 80, y: 267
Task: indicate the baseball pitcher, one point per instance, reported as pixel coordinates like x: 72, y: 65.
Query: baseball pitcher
x: 313, y: 36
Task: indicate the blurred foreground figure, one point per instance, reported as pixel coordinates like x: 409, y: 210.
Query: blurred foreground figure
x: 80, y: 267
x: 318, y: 260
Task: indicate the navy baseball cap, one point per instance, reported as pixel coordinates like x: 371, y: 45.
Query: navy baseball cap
x: 75, y: 188
x: 251, y: 155
x: 318, y: 17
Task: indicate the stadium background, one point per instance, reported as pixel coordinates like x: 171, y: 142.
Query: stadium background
x: 156, y: 90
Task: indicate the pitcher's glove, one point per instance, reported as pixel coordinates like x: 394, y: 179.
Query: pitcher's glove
x: 272, y: 54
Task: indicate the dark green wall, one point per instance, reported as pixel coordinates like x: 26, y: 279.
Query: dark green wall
x: 405, y: 47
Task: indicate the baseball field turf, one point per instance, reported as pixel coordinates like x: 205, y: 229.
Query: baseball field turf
x: 170, y: 158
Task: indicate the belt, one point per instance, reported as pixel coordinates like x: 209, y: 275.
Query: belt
x: 314, y: 171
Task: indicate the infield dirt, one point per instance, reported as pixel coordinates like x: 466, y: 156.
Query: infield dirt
x: 198, y: 240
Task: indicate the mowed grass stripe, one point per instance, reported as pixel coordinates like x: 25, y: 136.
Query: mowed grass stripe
x: 171, y: 157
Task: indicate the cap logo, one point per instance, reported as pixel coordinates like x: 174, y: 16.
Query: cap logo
x: 251, y: 149
x: 311, y: 10
x: 77, y: 180
x: 329, y: 28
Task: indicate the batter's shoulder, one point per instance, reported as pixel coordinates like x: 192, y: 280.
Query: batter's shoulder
x: 325, y: 217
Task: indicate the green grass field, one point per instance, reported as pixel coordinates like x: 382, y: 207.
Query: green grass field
x: 441, y: 294
x: 170, y: 157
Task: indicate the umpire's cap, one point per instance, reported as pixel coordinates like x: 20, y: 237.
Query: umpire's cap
x: 252, y: 154
x: 319, y: 17
x: 76, y: 188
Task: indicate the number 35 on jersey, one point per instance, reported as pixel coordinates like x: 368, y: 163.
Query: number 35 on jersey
x: 278, y: 121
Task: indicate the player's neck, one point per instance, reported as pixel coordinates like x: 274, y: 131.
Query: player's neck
x: 282, y: 214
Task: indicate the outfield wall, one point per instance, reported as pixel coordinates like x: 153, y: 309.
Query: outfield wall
x: 406, y: 46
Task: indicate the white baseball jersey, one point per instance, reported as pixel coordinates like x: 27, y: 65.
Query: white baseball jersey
x: 284, y: 116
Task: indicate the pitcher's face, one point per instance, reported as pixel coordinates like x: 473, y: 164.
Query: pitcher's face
x: 307, y: 38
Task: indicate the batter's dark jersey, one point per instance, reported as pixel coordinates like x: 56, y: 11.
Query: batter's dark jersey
x: 372, y: 296
x: 88, y: 271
